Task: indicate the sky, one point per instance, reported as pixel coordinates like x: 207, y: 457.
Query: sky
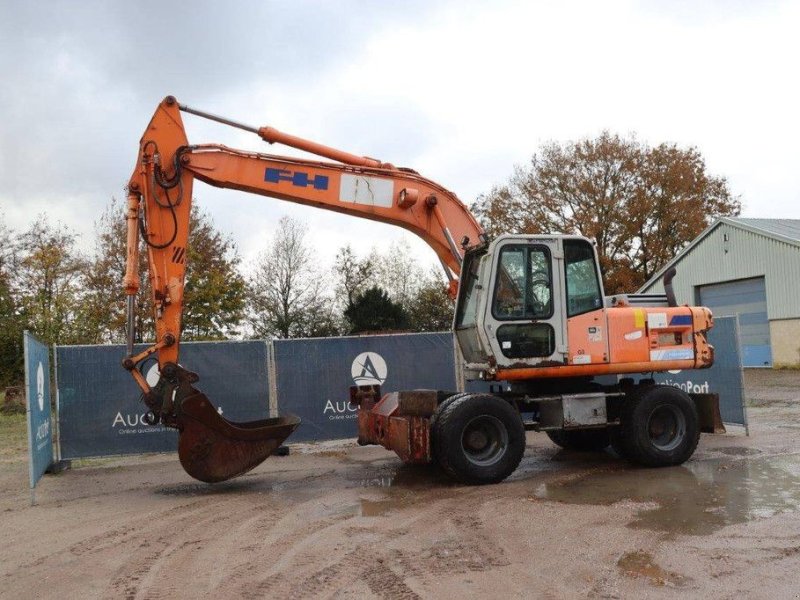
x: 459, y: 90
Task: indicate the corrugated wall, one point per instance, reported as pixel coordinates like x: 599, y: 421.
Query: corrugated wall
x: 745, y: 254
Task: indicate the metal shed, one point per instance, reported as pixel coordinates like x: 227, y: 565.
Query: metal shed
x: 749, y: 268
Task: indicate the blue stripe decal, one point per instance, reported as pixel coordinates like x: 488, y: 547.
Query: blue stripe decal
x: 680, y: 320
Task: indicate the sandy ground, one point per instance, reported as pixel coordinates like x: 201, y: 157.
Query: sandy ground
x: 342, y: 521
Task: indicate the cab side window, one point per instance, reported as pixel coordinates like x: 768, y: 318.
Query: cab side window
x: 524, y: 284
x: 584, y: 293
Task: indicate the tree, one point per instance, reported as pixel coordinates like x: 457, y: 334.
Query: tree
x: 431, y: 308
x: 639, y: 204
x: 373, y: 311
x: 397, y: 271
x: 423, y: 297
x: 12, y: 321
x: 103, y: 307
x: 214, y: 293
x: 286, y: 293
x: 352, y: 274
x: 48, y: 281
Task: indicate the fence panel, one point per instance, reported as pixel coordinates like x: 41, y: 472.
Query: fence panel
x: 37, y: 397
x: 100, y: 413
x: 314, y: 375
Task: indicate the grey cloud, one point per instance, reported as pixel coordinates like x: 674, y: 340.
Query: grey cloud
x: 80, y: 79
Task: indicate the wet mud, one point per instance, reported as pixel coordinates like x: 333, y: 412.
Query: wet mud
x: 698, y: 498
x: 353, y: 522
x: 642, y: 564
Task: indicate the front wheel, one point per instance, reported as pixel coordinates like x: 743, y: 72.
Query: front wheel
x: 478, y: 439
x: 658, y: 427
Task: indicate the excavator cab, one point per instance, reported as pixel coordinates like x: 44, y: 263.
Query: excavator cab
x: 518, y: 294
x: 532, y: 307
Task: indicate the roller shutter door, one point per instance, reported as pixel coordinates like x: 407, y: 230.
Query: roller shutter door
x: 746, y: 298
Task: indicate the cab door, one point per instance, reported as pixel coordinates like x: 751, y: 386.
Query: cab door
x: 524, y: 320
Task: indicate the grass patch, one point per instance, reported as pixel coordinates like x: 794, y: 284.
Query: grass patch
x: 13, y: 437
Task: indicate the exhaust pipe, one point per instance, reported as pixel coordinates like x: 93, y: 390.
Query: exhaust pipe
x: 668, y: 289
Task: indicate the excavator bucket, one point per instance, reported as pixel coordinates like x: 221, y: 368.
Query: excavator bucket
x: 213, y: 449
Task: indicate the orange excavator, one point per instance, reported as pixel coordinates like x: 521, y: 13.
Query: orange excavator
x: 530, y: 312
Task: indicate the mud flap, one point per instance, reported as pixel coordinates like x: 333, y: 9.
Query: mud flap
x: 708, y: 412
x: 213, y: 449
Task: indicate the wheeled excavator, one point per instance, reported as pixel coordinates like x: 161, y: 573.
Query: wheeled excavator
x: 531, y: 321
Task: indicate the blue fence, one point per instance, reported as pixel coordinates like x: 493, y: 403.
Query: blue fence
x: 313, y: 376
x: 37, y: 395
x: 100, y: 412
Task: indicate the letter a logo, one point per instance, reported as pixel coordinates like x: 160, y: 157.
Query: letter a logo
x: 369, y: 368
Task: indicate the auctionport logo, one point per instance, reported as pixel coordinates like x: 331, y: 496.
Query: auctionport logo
x: 690, y: 387
x: 369, y: 368
x: 40, y: 386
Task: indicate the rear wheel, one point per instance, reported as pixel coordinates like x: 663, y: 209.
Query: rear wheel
x: 478, y: 438
x: 659, y: 427
x: 582, y: 440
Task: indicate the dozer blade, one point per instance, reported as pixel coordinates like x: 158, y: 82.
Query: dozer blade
x: 213, y: 449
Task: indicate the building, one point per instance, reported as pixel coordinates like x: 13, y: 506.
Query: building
x: 751, y: 268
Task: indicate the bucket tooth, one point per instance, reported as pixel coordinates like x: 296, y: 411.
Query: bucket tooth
x: 213, y: 449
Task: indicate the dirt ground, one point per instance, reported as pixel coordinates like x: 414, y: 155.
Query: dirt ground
x: 341, y: 521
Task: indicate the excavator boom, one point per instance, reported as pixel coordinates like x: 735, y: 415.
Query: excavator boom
x: 212, y: 448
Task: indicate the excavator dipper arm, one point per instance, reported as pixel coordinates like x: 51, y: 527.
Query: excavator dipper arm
x: 159, y: 204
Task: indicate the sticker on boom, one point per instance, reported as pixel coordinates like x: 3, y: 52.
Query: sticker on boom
x: 297, y: 178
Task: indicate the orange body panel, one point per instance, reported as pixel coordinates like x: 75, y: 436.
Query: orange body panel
x: 587, y: 338
x: 629, y: 340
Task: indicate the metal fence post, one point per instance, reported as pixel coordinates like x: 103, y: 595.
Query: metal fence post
x: 272, y: 378
x: 741, y: 376
x: 58, y: 414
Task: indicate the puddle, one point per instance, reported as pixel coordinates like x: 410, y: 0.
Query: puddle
x: 408, y: 477
x: 697, y: 498
x: 365, y: 507
x: 290, y: 483
x: 375, y: 508
x: 738, y: 451
x: 641, y: 564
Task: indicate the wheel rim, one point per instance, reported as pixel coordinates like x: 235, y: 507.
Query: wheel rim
x: 484, y: 440
x: 666, y: 427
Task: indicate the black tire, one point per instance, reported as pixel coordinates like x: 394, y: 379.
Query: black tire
x: 447, y: 401
x: 582, y: 440
x: 478, y: 438
x: 658, y: 427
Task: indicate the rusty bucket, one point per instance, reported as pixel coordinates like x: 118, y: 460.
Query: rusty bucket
x: 213, y: 449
